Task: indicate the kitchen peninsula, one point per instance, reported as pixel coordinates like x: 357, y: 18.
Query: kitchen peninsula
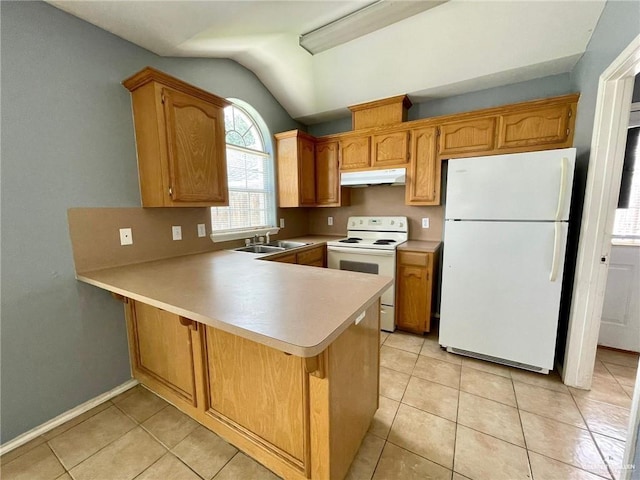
x: 279, y: 359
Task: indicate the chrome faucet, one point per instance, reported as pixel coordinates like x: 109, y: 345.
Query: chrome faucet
x: 268, y: 237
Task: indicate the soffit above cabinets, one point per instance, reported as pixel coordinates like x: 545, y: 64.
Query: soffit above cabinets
x: 455, y: 47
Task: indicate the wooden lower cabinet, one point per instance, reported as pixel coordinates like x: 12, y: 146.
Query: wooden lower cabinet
x: 303, y: 418
x: 162, y: 349
x: 414, y: 285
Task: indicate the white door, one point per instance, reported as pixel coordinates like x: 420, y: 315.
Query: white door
x: 524, y: 186
x: 497, y: 296
x: 620, y: 322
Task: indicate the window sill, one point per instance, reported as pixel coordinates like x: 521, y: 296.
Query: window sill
x: 236, y: 235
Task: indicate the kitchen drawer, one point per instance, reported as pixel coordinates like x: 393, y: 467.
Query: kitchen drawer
x: 419, y: 259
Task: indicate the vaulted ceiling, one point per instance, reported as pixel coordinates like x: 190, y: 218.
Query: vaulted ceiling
x: 455, y: 47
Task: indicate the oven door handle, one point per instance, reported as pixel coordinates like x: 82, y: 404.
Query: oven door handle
x: 362, y: 251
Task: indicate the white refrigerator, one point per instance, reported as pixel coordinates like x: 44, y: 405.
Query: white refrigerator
x: 504, y: 245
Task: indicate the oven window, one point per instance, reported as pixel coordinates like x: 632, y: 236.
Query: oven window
x: 359, y: 266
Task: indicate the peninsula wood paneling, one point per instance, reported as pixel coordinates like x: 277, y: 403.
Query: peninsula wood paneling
x: 259, y: 388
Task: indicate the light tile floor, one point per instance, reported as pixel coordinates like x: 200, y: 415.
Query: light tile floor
x: 441, y: 416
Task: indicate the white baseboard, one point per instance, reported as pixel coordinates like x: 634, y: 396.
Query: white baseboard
x: 65, y: 417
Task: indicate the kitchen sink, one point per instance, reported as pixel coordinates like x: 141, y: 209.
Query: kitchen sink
x: 260, y: 249
x: 285, y: 244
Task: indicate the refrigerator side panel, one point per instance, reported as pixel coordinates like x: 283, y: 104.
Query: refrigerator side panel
x: 525, y: 186
x: 497, y: 296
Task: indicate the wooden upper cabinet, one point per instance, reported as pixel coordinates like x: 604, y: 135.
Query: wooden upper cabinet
x: 355, y: 152
x: 541, y: 126
x: 468, y: 136
x: 295, y: 157
x: 180, y: 139
x: 197, y: 164
x: 328, y: 190
x: 423, y: 174
x: 388, y: 111
x: 390, y: 149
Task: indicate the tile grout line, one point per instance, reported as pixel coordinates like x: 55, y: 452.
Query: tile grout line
x: 228, y: 461
x: 455, y: 435
x: 593, y: 439
x: 524, y: 437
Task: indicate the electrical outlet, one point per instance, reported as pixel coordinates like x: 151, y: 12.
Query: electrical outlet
x: 329, y: 221
x: 425, y: 223
x: 282, y: 223
x: 202, y: 230
x: 126, y: 237
x: 176, y: 232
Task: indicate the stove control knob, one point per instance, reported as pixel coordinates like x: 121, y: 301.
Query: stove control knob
x: 392, y: 222
x: 400, y: 224
x: 360, y: 222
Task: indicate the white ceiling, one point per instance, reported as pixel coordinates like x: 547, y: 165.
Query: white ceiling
x: 457, y: 47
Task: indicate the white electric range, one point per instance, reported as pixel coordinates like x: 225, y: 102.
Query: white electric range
x: 370, y: 247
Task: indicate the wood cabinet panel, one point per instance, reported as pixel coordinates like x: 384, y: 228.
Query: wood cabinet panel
x: 290, y: 258
x: 314, y: 257
x: 423, y: 176
x: 414, y: 274
x: 307, y: 172
x: 466, y: 137
x: 196, y: 149
x: 390, y: 149
x: 163, y: 349
x: 180, y: 140
x: 259, y: 388
x: 295, y: 157
x: 534, y: 127
x: 327, y: 174
x: 355, y: 153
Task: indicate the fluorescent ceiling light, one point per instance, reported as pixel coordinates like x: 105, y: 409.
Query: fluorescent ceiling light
x: 366, y: 20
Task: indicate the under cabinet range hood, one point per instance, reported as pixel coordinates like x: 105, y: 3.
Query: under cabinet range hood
x: 394, y: 176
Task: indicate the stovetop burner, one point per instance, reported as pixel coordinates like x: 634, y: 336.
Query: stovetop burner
x: 350, y: 240
x: 384, y: 241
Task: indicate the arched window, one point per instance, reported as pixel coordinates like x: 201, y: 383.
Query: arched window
x: 250, y: 176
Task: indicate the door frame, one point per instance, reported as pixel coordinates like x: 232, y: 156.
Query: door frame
x: 606, y: 160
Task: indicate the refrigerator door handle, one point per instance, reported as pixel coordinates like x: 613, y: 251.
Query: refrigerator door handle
x: 564, y: 164
x: 556, y: 254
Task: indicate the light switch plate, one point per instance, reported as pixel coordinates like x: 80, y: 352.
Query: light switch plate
x: 329, y: 221
x: 126, y: 237
x: 282, y: 223
x: 202, y: 230
x: 425, y: 223
x: 176, y: 232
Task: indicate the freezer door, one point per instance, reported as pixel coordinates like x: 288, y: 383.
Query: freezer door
x: 498, y: 297
x: 523, y: 186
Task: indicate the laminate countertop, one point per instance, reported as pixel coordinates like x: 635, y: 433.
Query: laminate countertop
x: 297, y: 309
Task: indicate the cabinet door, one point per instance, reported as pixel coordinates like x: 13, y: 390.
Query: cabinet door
x: 534, y: 127
x: 467, y: 137
x: 390, y: 149
x: 163, y: 352
x: 423, y: 182
x: 314, y: 257
x: 307, y: 172
x: 196, y: 149
x: 327, y: 174
x: 355, y: 153
x: 413, y: 301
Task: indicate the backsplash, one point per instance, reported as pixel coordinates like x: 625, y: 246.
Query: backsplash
x: 378, y: 200
x: 95, y: 235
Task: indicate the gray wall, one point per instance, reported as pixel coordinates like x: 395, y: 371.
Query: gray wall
x: 518, y: 92
x: 618, y: 25
x: 67, y: 141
